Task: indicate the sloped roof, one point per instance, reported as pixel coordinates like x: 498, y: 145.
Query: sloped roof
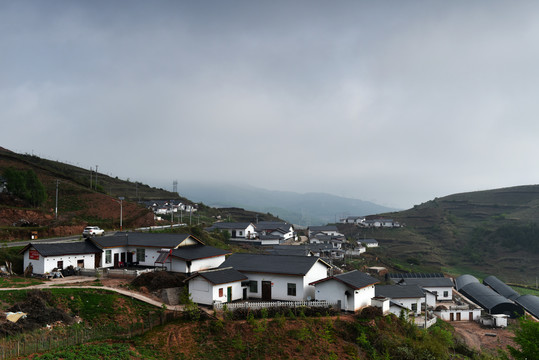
x: 220, y: 276
x: 143, y: 239
x: 369, y: 241
x: 530, y: 303
x: 323, y: 228
x: 273, y: 264
x: 414, y: 275
x: 427, y: 282
x: 56, y: 249
x: 500, y: 287
x: 273, y: 225
x: 399, y: 291
x: 355, y: 279
x: 230, y: 225
x: 194, y: 252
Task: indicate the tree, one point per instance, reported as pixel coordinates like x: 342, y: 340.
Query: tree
x: 527, y: 337
x: 26, y: 185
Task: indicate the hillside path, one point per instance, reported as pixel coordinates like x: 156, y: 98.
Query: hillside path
x: 68, y: 281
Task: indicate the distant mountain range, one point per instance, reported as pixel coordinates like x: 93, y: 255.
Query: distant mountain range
x: 300, y: 209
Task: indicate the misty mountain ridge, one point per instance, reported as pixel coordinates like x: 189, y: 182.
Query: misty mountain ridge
x: 300, y: 209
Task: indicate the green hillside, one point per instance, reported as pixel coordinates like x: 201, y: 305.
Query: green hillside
x: 81, y: 202
x: 491, y: 232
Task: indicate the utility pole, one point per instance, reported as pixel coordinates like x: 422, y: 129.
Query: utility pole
x: 91, y: 176
x: 96, y: 177
x: 56, y: 208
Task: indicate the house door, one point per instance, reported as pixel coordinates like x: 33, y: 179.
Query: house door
x: 229, y: 294
x: 451, y: 317
x: 471, y: 316
x: 244, y: 293
x: 233, y: 236
x: 458, y: 316
x: 266, y: 290
x: 123, y: 258
x: 97, y: 260
x: 129, y: 257
x: 116, y: 260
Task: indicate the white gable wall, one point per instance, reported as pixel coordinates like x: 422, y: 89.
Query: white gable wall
x: 46, y: 264
x: 333, y: 290
x: 204, y: 292
x: 442, y: 293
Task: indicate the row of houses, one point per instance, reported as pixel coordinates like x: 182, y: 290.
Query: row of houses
x: 260, y: 233
x: 164, y: 207
x: 219, y: 276
x: 216, y: 275
x: 370, y: 222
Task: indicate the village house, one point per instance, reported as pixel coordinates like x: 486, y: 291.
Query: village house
x: 175, y: 252
x: 217, y: 285
x: 370, y: 243
x: 237, y: 230
x: 326, y: 230
x: 436, y: 283
x: 411, y: 297
x: 46, y: 257
x: 353, y: 289
x: 278, y: 277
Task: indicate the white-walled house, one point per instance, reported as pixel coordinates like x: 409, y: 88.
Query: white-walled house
x: 441, y: 286
x: 45, y: 257
x: 353, y: 289
x: 237, y: 230
x: 327, y: 230
x: 369, y: 243
x: 175, y: 252
x: 217, y: 285
x: 279, y: 277
x: 276, y: 228
x: 411, y: 297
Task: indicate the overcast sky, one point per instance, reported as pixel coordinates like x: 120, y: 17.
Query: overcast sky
x: 395, y: 102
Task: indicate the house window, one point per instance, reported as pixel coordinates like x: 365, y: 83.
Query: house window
x: 108, y: 256
x: 221, y: 292
x: 141, y: 255
x: 80, y: 264
x: 60, y: 265
x: 253, y: 286
x: 240, y: 233
x: 446, y: 294
x: 291, y: 289
x: 414, y: 307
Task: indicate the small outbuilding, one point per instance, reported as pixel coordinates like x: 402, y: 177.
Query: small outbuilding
x: 353, y: 289
x: 217, y: 285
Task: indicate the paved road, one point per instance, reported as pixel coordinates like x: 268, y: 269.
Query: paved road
x: 50, y: 240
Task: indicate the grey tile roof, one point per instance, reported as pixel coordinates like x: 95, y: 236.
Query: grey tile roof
x: 399, y: 291
x: 426, y: 282
x: 72, y: 248
x: 323, y: 228
x: 273, y: 264
x: 194, y: 252
x: 355, y: 279
x: 142, y: 239
x: 220, y: 276
x: 229, y: 225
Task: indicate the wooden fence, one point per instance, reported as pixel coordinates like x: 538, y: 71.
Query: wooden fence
x: 45, y: 340
x: 270, y: 304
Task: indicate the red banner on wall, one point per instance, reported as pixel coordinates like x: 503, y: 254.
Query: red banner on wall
x: 33, y: 255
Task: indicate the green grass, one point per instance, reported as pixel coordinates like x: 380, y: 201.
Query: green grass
x: 114, y: 351
x: 525, y: 290
x: 18, y: 282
